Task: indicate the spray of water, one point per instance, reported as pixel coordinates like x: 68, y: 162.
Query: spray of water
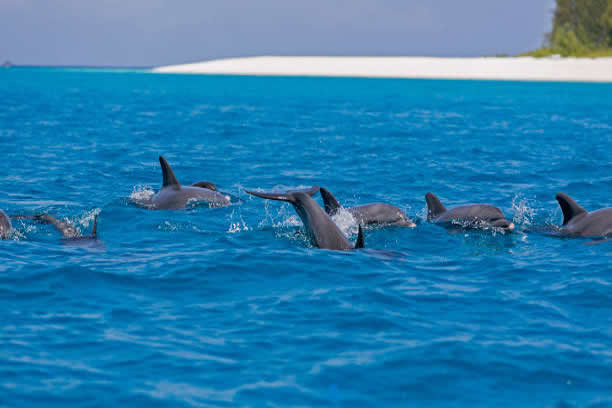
x: 141, y: 195
x: 237, y: 225
x: 346, y: 222
x: 523, y: 210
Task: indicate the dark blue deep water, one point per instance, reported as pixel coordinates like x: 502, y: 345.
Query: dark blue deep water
x: 233, y: 307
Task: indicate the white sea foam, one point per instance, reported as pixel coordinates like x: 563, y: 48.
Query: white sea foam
x: 142, y: 193
x: 86, y: 219
x: 238, y: 225
x: 523, y: 209
x: 346, y: 222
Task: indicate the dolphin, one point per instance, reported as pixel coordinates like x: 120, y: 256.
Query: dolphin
x: 580, y: 223
x: 174, y: 196
x: 368, y: 214
x: 69, y: 234
x: 322, y: 231
x: 473, y: 215
x: 5, y: 225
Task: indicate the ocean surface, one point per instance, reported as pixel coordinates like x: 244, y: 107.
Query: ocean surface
x: 228, y: 307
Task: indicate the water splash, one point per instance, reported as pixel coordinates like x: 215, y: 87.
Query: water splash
x: 346, y: 222
x: 284, y: 217
x: 86, y: 219
x: 478, y: 224
x: 422, y: 214
x: 239, y: 225
x: 141, y: 194
x: 168, y: 226
x: 524, y: 210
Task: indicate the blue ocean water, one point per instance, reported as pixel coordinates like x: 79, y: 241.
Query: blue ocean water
x: 232, y: 306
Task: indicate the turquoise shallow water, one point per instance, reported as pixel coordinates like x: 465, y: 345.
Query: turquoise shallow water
x: 232, y: 307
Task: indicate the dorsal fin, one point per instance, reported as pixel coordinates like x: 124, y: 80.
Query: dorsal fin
x: 205, y: 184
x: 169, y: 179
x: 569, y: 207
x: 360, y: 243
x: 434, y: 206
x: 94, y: 229
x: 288, y: 196
x: 331, y: 204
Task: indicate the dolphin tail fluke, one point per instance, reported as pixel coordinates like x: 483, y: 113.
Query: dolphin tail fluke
x: 434, y: 206
x: 331, y: 204
x: 569, y: 207
x: 273, y: 196
x: 360, y: 243
x: 205, y: 184
x: 288, y: 196
x: 169, y: 179
x: 94, y: 229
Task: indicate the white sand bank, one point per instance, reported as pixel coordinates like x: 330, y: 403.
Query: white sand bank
x: 521, y: 69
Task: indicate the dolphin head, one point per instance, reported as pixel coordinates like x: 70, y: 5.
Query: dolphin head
x: 503, y: 224
x: 5, y: 225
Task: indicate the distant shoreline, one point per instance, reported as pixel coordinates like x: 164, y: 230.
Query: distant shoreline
x: 485, y: 68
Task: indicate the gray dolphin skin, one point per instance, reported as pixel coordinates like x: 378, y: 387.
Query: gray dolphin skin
x: 174, y: 196
x: 470, y: 215
x: 5, y: 225
x: 323, y: 232
x: 67, y: 231
x: 205, y: 184
x: 580, y: 223
x: 368, y: 214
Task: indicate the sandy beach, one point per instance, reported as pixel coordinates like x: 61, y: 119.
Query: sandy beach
x: 489, y: 68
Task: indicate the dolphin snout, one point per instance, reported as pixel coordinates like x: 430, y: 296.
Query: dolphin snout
x: 504, y: 224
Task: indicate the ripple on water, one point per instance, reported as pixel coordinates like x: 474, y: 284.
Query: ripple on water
x: 234, y: 307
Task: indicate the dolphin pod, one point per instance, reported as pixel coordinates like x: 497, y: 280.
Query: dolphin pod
x: 322, y: 230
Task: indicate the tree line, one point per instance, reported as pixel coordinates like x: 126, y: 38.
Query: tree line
x: 580, y: 28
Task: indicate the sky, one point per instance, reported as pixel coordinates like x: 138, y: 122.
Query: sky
x: 161, y: 32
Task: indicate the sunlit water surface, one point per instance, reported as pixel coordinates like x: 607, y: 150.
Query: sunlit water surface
x: 233, y: 307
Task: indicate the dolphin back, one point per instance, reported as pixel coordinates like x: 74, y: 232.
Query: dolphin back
x: 64, y: 228
x: 570, y: 208
x: 67, y: 231
x: 323, y: 232
x: 205, y: 184
x: 331, y: 204
x: 169, y: 179
x: 434, y: 206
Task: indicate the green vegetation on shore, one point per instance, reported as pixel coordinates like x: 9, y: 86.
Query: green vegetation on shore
x: 581, y: 28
